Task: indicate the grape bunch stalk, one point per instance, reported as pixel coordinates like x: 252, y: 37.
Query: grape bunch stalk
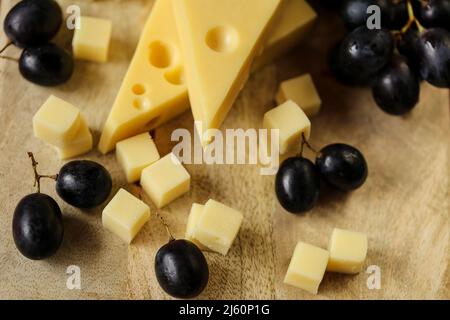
x: 413, y: 45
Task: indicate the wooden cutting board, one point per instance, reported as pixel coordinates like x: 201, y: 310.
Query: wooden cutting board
x: 403, y: 207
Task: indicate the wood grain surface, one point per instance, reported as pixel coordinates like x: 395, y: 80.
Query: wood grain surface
x: 403, y: 207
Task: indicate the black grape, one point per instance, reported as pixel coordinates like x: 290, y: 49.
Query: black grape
x: 433, y: 13
x: 46, y: 65
x: 396, y: 88
x: 32, y: 22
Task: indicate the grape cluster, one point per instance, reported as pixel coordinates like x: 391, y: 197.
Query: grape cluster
x: 412, y: 45
x: 31, y: 25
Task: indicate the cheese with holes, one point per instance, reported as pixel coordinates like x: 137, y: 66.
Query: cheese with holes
x: 348, y: 251
x: 303, y: 92
x: 194, y: 215
x: 81, y: 144
x: 219, y: 45
x: 292, y: 124
x: 153, y: 90
x: 136, y: 153
x: 57, y: 122
x: 307, y: 267
x: 165, y: 180
x: 295, y: 20
x: 125, y: 215
x: 91, y: 39
x: 215, y: 226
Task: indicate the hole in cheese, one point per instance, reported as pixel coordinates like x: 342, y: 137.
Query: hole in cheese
x: 141, y: 103
x: 138, y: 89
x: 175, y: 76
x: 160, y: 55
x: 222, y: 39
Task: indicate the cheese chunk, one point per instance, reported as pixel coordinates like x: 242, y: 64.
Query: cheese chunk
x: 295, y: 20
x: 348, y: 251
x: 165, y: 180
x: 135, y: 154
x: 57, y: 122
x: 194, y: 215
x: 218, y: 45
x: 153, y: 90
x: 81, y: 144
x: 91, y: 40
x: 125, y: 215
x: 307, y: 267
x: 292, y: 123
x: 217, y: 226
x: 303, y: 92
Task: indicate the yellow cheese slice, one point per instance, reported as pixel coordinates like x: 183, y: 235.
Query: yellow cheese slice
x: 219, y: 40
x: 153, y: 90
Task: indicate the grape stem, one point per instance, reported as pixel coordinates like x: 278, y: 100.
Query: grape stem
x: 307, y: 144
x: 37, y: 176
x: 5, y: 46
x: 161, y: 219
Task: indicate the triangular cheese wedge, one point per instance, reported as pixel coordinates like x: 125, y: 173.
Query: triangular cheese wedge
x: 219, y: 40
x: 153, y: 90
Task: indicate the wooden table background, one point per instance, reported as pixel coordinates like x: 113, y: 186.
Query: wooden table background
x: 403, y: 207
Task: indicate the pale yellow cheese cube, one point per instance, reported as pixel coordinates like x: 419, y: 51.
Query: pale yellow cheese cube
x: 307, y: 267
x: 292, y: 123
x: 125, y: 215
x: 91, y: 40
x: 194, y: 215
x: 348, y: 251
x: 165, y: 180
x: 57, y: 122
x: 81, y: 144
x: 294, y: 21
x: 217, y: 226
x: 135, y: 154
x: 303, y: 92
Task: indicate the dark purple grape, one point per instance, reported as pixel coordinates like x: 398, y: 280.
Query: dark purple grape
x: 37, y: 226
x: 433, y: 13
x: 364, y: 52
x: 396, y: 88
x: 407, y: 45
x: 433, y: 55
x: 83, y: 184
x: 342, y: 167
x: 46, y: 65
x: 31, y: 22
x: 297, y: 185
x: 181, y: 269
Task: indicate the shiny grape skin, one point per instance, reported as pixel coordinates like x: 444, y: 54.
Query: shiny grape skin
x: 297, y: 185
x: 434, y: 57
x: 181, y: 269
x: 46, y: 65
x: 31, y: 22
x: 393, y: 16
x: 433, y: 13
x: 37, y: 226
x: 396, y: 89
x: 83, y: 184
x: 342, y: 167
x: 364, y: 52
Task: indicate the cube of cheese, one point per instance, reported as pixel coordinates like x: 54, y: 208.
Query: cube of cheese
x: 125, y: 215
x: 135, y: 154
x: 165, y: 180
x: 348, y: 251
x: 91, y: 40
x: 292, y: 123
x: 57, y: 122
x: 307, y: 267
x: 81, y: 144
x: 217, y: 226
x: 303, y: 92
x: 194, y: 215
